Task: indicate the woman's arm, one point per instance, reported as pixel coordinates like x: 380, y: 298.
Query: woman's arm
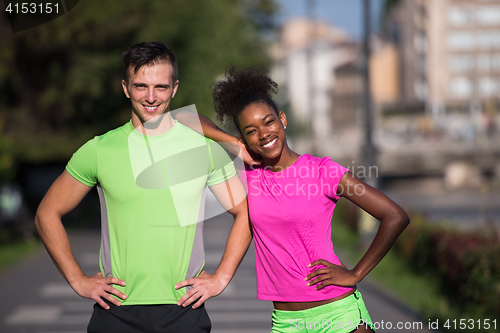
x: 207, y: 128
x: 393, y: 220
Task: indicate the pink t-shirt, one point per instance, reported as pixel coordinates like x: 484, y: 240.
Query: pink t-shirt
x: 291, y: 213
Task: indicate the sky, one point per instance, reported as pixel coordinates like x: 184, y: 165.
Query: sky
x: 346, y: 14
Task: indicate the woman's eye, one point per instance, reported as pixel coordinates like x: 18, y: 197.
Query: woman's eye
x: 250, y: 132
x: 269, y: 122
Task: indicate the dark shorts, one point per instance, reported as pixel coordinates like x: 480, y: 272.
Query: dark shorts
x: 167, y: 318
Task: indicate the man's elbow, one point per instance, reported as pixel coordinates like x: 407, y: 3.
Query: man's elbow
x: 41, y: 220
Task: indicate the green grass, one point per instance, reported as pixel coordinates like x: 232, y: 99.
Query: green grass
x: 12, y: 253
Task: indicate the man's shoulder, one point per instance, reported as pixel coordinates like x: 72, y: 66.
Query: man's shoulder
x: 184, y: 130
x: 190, y: 137
x: 115, y: 135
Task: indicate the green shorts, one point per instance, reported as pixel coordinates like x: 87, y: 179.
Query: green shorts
x: 342, y: 316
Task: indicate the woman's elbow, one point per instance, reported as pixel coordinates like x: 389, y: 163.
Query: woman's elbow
x: 402, y: 218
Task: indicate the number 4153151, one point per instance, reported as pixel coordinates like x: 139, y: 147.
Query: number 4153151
x: 32, y: 8
x: 463, y: 324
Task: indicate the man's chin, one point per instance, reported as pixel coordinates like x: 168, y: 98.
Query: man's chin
x: 153, y: 122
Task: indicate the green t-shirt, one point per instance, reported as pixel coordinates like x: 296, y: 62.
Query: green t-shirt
x: 151, y: 191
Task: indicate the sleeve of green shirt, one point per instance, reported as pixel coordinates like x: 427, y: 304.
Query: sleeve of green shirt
x: 222, y: 165
x: 83, y: 164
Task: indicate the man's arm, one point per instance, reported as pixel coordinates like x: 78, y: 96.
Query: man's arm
x: 62, y: 197
x: 232, y: 197
x: 207, y: 128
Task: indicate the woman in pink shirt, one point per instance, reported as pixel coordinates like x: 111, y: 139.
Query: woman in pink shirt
x: 291, y: 199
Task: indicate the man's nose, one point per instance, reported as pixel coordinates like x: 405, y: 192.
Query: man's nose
x: 151, y: 98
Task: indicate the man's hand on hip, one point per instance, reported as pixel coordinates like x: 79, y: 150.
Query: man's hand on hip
x: 97, y: 288
x: 204, y: 286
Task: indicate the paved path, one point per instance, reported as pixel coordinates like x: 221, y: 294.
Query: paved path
x: 36, y: 299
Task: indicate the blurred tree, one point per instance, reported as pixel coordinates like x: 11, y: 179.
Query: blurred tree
x: 60, y: 81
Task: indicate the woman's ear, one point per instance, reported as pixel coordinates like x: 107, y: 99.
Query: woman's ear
x: 240, y: 139
x: 282, y: 117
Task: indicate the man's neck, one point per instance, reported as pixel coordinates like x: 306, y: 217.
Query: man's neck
x: 154, y: 127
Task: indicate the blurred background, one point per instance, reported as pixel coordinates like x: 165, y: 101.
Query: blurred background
x: 405, y: 93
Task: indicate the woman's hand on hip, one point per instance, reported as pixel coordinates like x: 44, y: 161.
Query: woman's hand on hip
x: 330, y: 274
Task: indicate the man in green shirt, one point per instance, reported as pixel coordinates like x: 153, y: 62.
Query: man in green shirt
x: 151, y: 175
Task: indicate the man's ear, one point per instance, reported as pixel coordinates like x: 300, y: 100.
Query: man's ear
x: 125, y: 88
x: 176, y: 85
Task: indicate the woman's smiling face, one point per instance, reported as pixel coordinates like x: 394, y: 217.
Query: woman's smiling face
x: 263, y: 130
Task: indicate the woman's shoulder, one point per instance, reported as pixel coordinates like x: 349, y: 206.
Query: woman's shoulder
x: 325, y: 165
x: 318, y: 161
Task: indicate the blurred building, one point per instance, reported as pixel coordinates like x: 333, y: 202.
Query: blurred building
x: 434, y: 80
x: 321, y: 68
x: 450, y: 52
x: 306, y: 57
x: 448, y: 55
x: 347, y: 93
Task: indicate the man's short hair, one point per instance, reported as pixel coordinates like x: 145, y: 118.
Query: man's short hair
x: 148, y: 53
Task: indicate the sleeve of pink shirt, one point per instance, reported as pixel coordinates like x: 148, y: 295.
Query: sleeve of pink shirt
x: 332, y: 172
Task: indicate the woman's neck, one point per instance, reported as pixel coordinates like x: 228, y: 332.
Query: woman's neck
x: 283, y: 161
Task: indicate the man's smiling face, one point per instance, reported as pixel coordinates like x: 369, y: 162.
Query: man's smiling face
x: 150, y: 91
